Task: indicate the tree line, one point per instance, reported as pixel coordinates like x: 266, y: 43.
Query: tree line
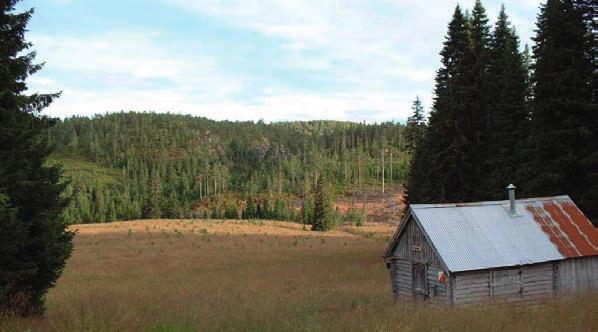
x: 502, y: 115
x: 129, y: 165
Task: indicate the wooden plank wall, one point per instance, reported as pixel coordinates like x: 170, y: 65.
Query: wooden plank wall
x: 402, y: 281
x: 577, y: 275
x: 401, y: 272
x: 538, y: 281
x: 471, y: 287
x: 413, y: 247
x: 413, y: 237
x: 506, y: 283
x: 393, y: 277
x: 438, y: 292
x: 519, y: 284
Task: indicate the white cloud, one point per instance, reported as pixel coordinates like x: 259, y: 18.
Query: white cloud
x: 274, y: 106
x: 120, y: 70
x: 136, y: 55
x: 387, y: 48
x: 375, y: 57
x: 117, y: 66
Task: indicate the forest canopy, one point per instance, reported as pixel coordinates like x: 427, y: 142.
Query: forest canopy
x: 147, y: 165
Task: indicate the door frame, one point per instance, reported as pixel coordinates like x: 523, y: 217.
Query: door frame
x: 420, y: 294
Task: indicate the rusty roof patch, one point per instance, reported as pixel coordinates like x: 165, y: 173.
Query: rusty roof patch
x: 566, y: 226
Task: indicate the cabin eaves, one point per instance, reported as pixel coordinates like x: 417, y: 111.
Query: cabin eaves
x: 485, y: 235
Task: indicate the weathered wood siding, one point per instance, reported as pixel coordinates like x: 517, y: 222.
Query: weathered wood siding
x: 526, y: 284
x: 393, y: 277
x: 402, y: 282
x: 414, y: 247
x: 471, y: 287
x: 438, y: 292
x: 516, y: 284
x: 577, y: 275
x: 506, y: 283
x: 402, y: 279
x: 538, y: 281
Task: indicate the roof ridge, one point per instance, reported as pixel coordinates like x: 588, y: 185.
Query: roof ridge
x: 487, y: 203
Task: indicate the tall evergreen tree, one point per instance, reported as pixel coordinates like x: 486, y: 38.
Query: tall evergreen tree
x: 321, y: 214
x: 589, y: 11
x: 564, y: 120
x: 479, y: 31
x: 508, y: 123
x: 479, y: 97
x: 35, y: 242
x: 445, y: 168
x: 250, y: 210
x: 415, y: 127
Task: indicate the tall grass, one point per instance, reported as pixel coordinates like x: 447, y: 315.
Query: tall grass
x: 268, y: 277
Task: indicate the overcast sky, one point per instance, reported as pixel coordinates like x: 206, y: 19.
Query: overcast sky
x: 247, y: 59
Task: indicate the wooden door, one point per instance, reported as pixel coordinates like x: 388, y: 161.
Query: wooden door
x: 420, y: 284
x: 506, y: 284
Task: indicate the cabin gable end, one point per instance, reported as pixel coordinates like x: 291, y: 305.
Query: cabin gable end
x: 413, y: 245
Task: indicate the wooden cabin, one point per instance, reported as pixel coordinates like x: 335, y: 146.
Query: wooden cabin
x: 515, y: 250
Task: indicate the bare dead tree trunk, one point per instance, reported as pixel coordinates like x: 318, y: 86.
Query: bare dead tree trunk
x: 383, y: 170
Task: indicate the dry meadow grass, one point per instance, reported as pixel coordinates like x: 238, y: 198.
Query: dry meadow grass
x: 185, y: 275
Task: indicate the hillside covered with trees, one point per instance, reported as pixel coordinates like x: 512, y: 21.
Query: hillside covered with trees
x: 145, y: 165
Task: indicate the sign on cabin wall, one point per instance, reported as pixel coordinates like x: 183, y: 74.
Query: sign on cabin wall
x: 441, y: 277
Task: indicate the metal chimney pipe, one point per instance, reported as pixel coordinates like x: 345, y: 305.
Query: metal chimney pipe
x: 512, y: 209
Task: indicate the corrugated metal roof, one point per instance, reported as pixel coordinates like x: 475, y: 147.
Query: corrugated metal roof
x: 484, y: 235
x: 566, y: 226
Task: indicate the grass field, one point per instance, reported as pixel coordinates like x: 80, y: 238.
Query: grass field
x: 184, y: 275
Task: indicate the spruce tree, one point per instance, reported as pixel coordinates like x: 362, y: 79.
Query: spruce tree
x: 33, y: 235
x: 589, y: 198
x: 479, y: 31
x: 478, y: 97
x: 258, y: 212
x: 415, y: 127
x: 508, y: 123
x: 564, y: 119
x: 320, y: 214
x: 250, y: 209
x: 444, y: 168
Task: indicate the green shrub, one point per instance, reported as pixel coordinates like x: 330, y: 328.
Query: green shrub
x: 354, y: 216
x: 231, y: 211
